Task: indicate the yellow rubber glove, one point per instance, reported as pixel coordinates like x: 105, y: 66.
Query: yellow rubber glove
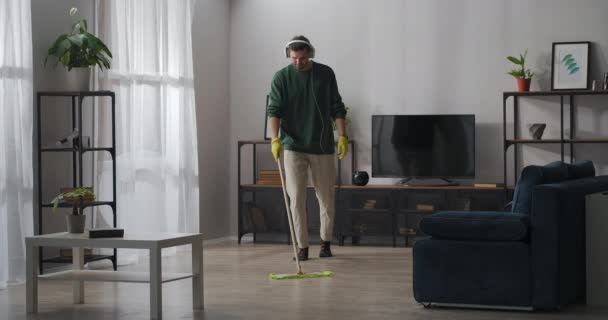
x: 342, y: 147
x: 276, y: 148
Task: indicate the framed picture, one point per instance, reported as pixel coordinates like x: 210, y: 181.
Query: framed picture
x: 570, y: 65
x: 266, y: 128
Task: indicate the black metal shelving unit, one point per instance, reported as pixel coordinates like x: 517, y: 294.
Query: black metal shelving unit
x: 397, y: 210
x: 516, y: 140
x: 77, y: 151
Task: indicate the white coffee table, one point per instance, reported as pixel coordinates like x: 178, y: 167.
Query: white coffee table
x: 152, y: 242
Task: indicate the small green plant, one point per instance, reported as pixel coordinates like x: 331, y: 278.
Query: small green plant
x: 79, y: 48
x: 520, y: 73
x: 74, y: 196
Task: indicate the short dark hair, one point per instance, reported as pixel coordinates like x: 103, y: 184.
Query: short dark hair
x: 299, y: 45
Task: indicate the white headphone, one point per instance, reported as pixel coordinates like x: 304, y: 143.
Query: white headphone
x: 312, y: 49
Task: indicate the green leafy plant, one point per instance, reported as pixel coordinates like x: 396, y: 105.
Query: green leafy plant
x: 79, y: 48
x: 74, y: 196
x: 522, y: 72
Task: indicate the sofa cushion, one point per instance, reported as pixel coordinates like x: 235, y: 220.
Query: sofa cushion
x: 554, y: 172
x: 531, y: 176
x: 581, y: 169
x: 476, y: 225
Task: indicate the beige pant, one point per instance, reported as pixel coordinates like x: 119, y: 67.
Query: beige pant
x: 323, y: 175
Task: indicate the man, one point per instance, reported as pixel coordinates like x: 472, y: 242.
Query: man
x: 304, y: 102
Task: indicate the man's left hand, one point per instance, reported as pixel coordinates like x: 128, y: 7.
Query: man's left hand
x: 342, y: 147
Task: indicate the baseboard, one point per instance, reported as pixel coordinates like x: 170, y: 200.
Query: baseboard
x: 475, y: 306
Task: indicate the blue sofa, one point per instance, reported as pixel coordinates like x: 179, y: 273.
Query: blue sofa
x: 532, y: 257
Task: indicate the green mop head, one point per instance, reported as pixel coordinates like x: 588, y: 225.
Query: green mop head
x: 286, y: 276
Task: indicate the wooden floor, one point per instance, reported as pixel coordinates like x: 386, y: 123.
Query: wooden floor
x: 369, y: 283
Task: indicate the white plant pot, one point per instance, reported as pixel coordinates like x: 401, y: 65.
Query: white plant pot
x: 75, y: 222
x: 77, y: 79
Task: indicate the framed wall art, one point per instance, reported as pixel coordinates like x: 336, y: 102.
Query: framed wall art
x: 570, y: 65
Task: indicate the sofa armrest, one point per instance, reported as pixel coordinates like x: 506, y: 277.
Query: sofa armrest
x: 557, y: 238
x: 476, y: 225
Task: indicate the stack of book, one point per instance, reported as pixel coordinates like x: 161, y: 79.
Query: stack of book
x: 269, y: 178
x: 369, y: 204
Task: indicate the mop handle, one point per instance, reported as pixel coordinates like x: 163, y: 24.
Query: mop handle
x: 289, y: 218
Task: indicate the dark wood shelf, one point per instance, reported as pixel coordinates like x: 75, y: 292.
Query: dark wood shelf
x: 89, y: 204
x: 363, y: 210
x: 244, y: 142
x: 100, y: 93
x: 111, y: 150
x: 532, y: 141
x: 414, y: 211
x: 400, y: 187
x: 382, y: 187
x: 554, y: 93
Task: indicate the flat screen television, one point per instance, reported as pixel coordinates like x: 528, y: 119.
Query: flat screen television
x: 423, y: 146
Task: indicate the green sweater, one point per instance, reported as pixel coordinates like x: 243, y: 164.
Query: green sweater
x: 306, y: 103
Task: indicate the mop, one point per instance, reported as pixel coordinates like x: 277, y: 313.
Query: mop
x: 300, y: 274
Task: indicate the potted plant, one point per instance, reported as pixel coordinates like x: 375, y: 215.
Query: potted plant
x: 79, y: 49
x: 522, y: 74
x: 77, y: 197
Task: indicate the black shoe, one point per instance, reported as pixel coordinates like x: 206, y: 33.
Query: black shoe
x: 302, y: 254
x: 325, y: 251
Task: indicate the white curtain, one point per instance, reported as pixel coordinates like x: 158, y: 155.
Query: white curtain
x: 152, y: 76
x: 16, y: 119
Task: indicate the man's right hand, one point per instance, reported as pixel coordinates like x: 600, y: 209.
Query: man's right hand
x: 276, y: 148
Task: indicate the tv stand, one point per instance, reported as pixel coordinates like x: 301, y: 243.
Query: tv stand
x: 427, y: 182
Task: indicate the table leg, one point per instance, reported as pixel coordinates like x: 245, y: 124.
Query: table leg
x: 78, y: 264
x: 156, y: 290
x: 31, y: 278
x: 198, y: 296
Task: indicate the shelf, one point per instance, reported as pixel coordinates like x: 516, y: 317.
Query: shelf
x: 572, y: 125
x: 414, y: 211
x: 245, y: 142
x: 401, y: 187
x: 555, y: 93
x: 361, y: 210
x: 74, y: 100
x: 111, y: 150
x: 100, y: 93
x: 246, y: 187
x: 259, y: 186
x: 549, y: 141
x: 87, y: 258
x: 89, y: 204
x: 111, y: 276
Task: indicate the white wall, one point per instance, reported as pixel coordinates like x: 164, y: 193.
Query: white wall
x: 210, y: 34
x: 419, y: 57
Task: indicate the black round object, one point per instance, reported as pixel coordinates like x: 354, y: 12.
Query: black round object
x: 360, y: 178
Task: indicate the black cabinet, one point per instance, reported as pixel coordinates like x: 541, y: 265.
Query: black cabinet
x: 76, y: 149
x: 386, y: 214
x: 373, y: 214
x: 261, y: 208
